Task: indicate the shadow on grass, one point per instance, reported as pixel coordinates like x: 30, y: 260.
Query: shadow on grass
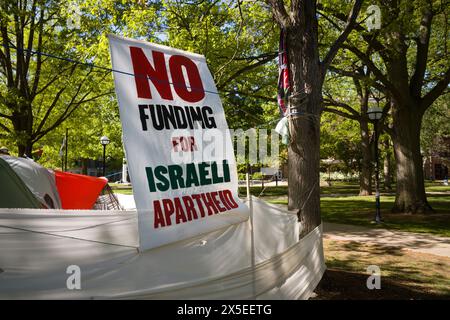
x: 355, y: 246
x: 404, y: 274
x: 342, y: 285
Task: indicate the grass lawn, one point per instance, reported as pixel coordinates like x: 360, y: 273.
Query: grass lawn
x: 360, y: 211
x: 404, y: 274
x: 349, y: 208
x: 120, y: 188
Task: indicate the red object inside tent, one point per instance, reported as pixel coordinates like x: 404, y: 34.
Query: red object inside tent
x: 78, y: 191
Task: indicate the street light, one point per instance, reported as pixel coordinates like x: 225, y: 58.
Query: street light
x: 104, y: 141
x: 375, y: 114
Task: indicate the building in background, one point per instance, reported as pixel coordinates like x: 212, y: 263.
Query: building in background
x: 436, y: 166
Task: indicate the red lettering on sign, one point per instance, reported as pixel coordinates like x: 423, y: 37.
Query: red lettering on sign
x: 144, y: 72
x: 185, y: 143
x: 159, y: 218
x: 157, y: 74
x: 195, y: 92
x: 168, y: 210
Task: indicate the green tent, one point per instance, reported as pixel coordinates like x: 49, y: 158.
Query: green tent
x: 13, y: 191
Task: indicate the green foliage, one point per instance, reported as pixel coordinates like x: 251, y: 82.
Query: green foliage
x: 40, y: 93
x: 239, y: 40
x: 257, y: 176
x: 340, y: 140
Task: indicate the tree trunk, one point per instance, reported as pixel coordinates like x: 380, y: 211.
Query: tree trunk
x: 23, y: 127
x: 304, y: 160
x: 387, y: 172
x: 306, y: 76
x: 365, y: 177
x: 304, y: 125
x: 410, y: 194
x: 25, y: 149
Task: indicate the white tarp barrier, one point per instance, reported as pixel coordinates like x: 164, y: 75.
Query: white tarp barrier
x: 179, y: 152
x: 126, y: 201
x: 37, y: 247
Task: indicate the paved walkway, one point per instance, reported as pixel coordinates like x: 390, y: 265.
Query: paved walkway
x: 419, y: 242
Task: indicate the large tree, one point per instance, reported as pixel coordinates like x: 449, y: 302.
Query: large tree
x: 46, y: 50
x: 408, y: 56
x: 307, y: 74
x: 340, y: 100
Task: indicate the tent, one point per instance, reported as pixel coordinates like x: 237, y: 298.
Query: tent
x: 26, y: 184
x: 78, y: 191
x: 39, y: 180
x: 13, y: 191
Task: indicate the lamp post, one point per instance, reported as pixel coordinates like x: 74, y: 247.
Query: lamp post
x: 375, y: 114
x: 104, y: 141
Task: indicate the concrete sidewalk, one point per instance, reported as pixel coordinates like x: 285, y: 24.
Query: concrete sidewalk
x: 419, y: 242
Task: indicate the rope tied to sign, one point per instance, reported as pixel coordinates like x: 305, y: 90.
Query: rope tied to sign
x: 94, y: 66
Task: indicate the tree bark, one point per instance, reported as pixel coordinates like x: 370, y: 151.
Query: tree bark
x: 23, y: 128
x: 304, y: 168
x: 306, y: 99
x: 410, y: 194
x: 306, y: 75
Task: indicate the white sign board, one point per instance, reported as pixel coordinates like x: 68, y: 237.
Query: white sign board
x: 180, y: 157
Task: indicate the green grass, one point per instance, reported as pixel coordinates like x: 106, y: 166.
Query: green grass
x: 356, y: 210
x: 360, y: 211
x: 120, y: 188
x: 421, y: 273
x: 437, y: 188
x: 335, y: 188
x: 349, y: 208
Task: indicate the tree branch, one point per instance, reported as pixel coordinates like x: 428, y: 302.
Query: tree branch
x: 6, y: 57
x: 56, y: 77
x: 67, y: 113
x: 5, y: 116
x: 252, y: 95
x: 370, y: 38
x: 37, y: 74
x: 376, y: 72
x: 245, y: 69
x: 31, y: 36
x: 331, y: 102
x: 434, y: 93
x: 423, y: 42
x: 5, y: 127
x: 357, y: 75
x: 50, y: 109
x: 343, y: 36
x: 341, y: 113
